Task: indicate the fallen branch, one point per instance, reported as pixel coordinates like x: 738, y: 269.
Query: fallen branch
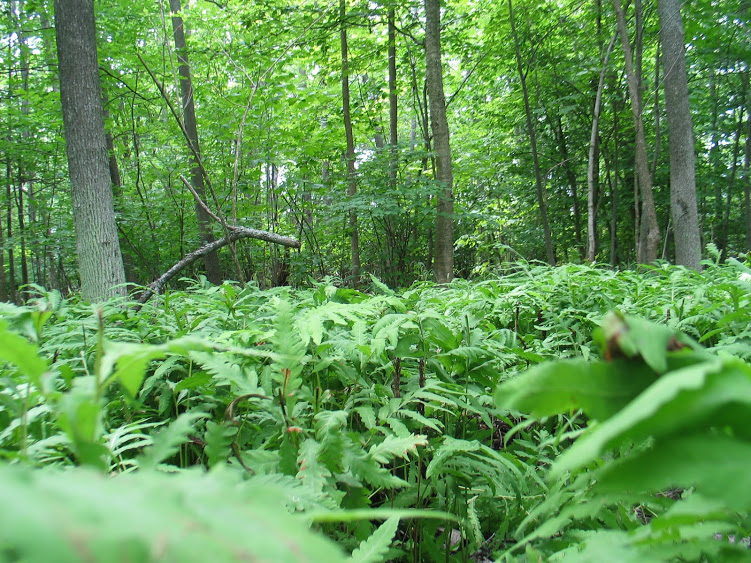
x: 236, y: 233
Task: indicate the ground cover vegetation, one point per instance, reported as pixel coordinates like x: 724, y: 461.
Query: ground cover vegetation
x: 513, y: 418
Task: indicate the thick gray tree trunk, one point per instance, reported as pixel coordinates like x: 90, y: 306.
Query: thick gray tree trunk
x: 681, y: 136
x: 99, y: 259
x: 444, y: 223
x: 211, y: 260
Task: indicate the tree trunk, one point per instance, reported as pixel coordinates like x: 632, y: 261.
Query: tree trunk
x: 393, y: 106
x: 747, y: 167
x: 354, y: 236
x: 649, y: 232
x: 541, y: 195
x: 3, y: 281
x: 725, y: 232
x: 560, y: 138
x: 99, y: 260
x: 715, y: 164
x: 12, y: 296
x: 681, y: 137
x: 593, y: 152
x: 211, y: 260
x: 444, y: 223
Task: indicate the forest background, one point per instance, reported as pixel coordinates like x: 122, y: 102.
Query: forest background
x: 313, y: 120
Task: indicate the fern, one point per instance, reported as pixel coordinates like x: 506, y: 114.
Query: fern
x: 166, y: 442
x: 375, y: 548
x: 393, y: 446
x: 218, y: 440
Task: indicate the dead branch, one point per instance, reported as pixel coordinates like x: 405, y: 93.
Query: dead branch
x: 236, y: 233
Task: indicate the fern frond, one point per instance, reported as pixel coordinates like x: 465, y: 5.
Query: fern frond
x: 375, y: 548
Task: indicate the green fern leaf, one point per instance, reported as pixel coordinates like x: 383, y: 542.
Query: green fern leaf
x: 365, y: 469
x: 393, y: 446
x: 167, y: 440
x: 218, y: 440
x: 375, y: 548
x: 313, y: 473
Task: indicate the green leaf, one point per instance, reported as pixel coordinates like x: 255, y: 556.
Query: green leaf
x: 375, y: 548
x: 393, y: 446
x: 167, y: 440
x: 381, y: 287
x: 599, y: 389
x: 713, y: 393
x: 18, y: 351
x: 716, y: 465
x: 146, y: 516
x: 218, y: 440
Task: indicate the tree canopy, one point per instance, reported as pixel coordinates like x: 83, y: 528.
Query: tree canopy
x: 520, y: 82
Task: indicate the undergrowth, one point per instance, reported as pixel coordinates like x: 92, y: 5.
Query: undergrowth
x: 508, y: 419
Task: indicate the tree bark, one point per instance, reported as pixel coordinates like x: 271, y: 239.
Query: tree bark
x: 354, y: 236
x: 236, y: 233
x: 393, y: 106
x: 99, y: 259
x: 3, y: 281
x: 542, y: 200
x: 12, y: 294
x: 649, y: 232
x: 560, y: 138
x: 681, y: 137
x: 444, y: 223
x: 591, y: 164
x: 747, y: 166
x: 211, y: 260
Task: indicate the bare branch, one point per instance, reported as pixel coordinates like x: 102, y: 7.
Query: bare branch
x: 237, y: 233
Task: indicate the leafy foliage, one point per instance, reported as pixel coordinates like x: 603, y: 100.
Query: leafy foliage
x: 345, y: 408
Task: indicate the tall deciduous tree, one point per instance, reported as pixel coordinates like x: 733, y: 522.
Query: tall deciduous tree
x: 211, y: 260
x: 542, y: 200
x: 649, y: 232
x: 444, y: 231
x: 99, y: 259
x: 354, y: 236
x: 681, y: 135
x: 593, y: 152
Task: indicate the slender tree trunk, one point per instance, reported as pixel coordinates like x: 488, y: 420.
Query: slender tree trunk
x: 3, y: 280
x: 23, y: 182
x: 99, y: 260
x: 541, y: 195
x: 22, y: 228
x: 211, y: 260
x: 747, y: 166
x: 9, y: 220
x: 354, y: 236
x: 714, y: 157
x: 393, y: 105
x: 725, y: 232
x: 649, y: 232
x: 593, y: 153
x: 444, y: 223
x: 571, y: 178
x: 683, y: 204
x: 393, y: 244
x: 656, y: 111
